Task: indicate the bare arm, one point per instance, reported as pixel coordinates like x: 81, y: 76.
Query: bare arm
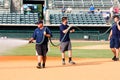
x: 66, y: 30
x: 73, y: 30
x: 47, y: 35
x: 110, y: 35
x: 31, y: 40
x: 118, y: 25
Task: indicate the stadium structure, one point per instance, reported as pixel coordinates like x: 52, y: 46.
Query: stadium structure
x: 15, y: 23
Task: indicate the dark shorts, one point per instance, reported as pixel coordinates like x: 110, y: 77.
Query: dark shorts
x: 41, y: 49
x: 65, y: 46
x: 114, y: 43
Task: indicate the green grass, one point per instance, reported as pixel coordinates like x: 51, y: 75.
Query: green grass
x: 92, y: 53
x: 29, y: 50
x: 81, y: 44
x: 22, y: 50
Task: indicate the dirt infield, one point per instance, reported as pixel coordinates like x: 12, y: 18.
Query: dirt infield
x: 24, y: 68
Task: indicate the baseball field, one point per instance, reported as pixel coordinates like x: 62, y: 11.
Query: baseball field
x: 93, y: 62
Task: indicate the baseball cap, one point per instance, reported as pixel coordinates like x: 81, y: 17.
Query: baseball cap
x: 39, y: 22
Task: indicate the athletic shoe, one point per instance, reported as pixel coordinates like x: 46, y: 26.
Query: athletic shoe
x: 63, y: 62
x: 71, y: 62
x: 43, y: 65
x: 39, y: 66
x: 114, y: 58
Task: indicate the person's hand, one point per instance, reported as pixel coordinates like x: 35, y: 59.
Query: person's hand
x: 73, y: 30
x: 44, y: 33
x: 30, y: 41
x: 71, y: 25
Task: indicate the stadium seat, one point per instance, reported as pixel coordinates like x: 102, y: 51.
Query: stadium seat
x: 78, y: 19
x: 82, y: 3
x: 17, y: 18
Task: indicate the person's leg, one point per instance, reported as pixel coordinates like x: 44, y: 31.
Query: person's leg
x: 39, y: 55
x: 70, y: 57
x: 44, y: 61
x: 40, y: 59
x: 117, y: 53
x: 63, y: 58
x: 44, y: 50
x: 112, y: 45
x: 114, y: 53
x: 70, y: 53
x: 63, y: 46
x: 116, y: 49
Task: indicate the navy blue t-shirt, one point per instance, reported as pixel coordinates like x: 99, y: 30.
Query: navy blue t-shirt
x: 115, y: 31
x: 62, y: 28
x: 38, y: 35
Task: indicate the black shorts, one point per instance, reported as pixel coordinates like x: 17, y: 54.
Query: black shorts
x: 65, y: 46
x: 114, y: 43
x: 41, y: 49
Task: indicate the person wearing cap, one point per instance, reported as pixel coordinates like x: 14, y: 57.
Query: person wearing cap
x: 65, y: 41
x: 41, y: 35
x: 114, y: 38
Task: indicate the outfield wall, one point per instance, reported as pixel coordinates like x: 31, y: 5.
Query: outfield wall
x: 83, y: 33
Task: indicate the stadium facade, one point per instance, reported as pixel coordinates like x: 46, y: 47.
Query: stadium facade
x: 17, y: 21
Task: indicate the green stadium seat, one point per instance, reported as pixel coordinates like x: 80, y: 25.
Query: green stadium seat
x: 18, y: 18
x: 78, y: 19
x: 83, y: 4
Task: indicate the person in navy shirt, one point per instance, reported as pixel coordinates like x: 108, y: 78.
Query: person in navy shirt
x: 41, y: 35
x: 65, y: 40
x: 114, y: 38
